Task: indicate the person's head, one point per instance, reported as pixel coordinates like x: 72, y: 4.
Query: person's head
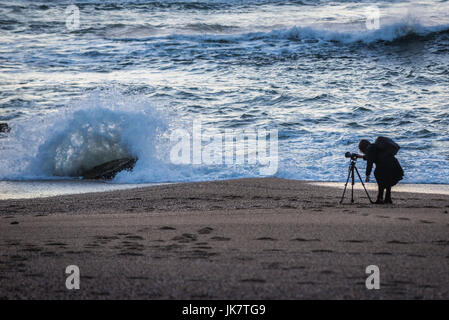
x: 363, y: 145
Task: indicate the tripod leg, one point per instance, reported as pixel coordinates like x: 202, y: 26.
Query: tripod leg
x: 366, y: 191
x: 353, y: 182
x: 346, y: 184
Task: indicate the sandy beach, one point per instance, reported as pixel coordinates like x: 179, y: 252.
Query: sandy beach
x: 236, y: 239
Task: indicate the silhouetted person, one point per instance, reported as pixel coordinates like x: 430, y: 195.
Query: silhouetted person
x: 388, y: 171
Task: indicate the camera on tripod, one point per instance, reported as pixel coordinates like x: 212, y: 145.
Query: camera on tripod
x: 351, y: 175
x: 353, y: 156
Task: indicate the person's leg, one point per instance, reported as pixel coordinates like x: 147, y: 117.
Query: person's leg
x: 388, y: 195
x: 380, y: 194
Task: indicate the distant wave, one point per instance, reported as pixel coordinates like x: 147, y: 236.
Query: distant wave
x: 162, y: 4
x: 388, y: 33
x: 204, y: 27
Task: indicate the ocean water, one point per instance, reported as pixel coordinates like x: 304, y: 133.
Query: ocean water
x: 318, y: 72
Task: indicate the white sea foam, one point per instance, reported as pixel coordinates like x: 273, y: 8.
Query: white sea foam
x: 406, y: 28
x: 103, y: 127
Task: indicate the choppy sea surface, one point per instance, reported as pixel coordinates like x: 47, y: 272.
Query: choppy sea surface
x: 134, y: 71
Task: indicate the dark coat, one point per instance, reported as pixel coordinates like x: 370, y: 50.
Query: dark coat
x: 388, y: 171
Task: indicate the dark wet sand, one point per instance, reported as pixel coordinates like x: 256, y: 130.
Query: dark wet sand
x: 236, y: 239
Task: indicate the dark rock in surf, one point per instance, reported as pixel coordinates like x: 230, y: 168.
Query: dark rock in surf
x: 4, y: 127
x: 109, y: 169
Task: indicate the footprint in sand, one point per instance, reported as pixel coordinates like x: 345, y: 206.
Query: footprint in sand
x: 253, y: 280
x: 401, y: 282
x: 355, y: 241
x: 203, y: 247
x: 205, y: 230
x: 327, y: 272
x: 134, y: 237
x: 49, y: 254
x: 167, y: 228
x: 32, y: 249
x: 398, y: 242
x: 13, y: 242
x: 243, y: 258
x: 233, y: 197
x: 272, y: 266
x: 220, y: 238
x: 322, y: 251
x: 198, y: 254
x: 294, y: 268
x: 138, y: 278
x: 55, y: 244
x: 185, y: 237
x: 416, y: 255
x: 76, y: 252
x: 382, y: 253
x: 16, y: 257
x: 305, y: 240
x: 266, y: 239
x: 441, y: 242
x: 287, y: 206
x: 169, y: 247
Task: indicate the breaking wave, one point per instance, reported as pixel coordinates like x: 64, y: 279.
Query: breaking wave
x: 406, y: 29
x: 103, y: 127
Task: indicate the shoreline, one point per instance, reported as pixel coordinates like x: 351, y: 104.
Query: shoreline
x: 235, y: 239
x: 31, y: 189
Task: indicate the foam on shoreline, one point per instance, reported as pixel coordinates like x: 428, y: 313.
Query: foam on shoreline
x: 407, y: 187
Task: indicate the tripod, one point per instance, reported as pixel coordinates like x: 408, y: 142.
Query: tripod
x: 351, y: 170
